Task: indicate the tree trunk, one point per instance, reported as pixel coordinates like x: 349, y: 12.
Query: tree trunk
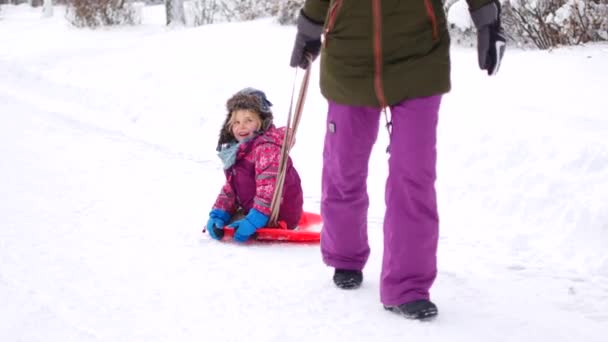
x: 175, y: 12
x: 47, y: 10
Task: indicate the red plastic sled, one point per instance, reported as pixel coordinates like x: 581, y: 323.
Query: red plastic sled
x: 308, y: 231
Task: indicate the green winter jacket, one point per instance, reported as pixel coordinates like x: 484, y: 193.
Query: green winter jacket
x: 381, y: 52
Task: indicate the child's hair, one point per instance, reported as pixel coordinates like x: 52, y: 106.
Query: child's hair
x: 232, y: 117
x: 250, y: 99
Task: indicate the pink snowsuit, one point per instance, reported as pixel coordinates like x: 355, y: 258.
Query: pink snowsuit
x: 251, y: 181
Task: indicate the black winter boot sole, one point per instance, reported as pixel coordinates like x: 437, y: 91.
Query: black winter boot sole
x: 348, y: 279
x: 423, y: 310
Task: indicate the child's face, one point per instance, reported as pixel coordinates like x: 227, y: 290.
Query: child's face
x: 244, y: 123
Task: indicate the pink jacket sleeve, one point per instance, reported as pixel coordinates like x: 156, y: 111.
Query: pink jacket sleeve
x: 226, y: 200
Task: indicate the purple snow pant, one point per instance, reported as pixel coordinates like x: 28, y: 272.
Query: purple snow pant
x: 411, y: 222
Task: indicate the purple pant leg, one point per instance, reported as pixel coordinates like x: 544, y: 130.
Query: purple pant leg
x: 411, y: 223
x: 350, y: 136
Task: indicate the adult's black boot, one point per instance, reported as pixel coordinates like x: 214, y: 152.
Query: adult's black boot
x: 348, y: 279
x: 419, y: 309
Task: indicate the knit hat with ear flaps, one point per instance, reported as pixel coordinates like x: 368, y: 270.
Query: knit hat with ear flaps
x: 251, y: 99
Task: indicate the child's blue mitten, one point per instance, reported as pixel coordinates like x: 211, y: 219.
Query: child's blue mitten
x: 244, y: 228
x: 217, y: 220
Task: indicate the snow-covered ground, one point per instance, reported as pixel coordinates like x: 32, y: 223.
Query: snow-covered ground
x: 108, y: 172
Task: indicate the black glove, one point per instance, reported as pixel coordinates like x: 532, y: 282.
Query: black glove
x: 491, y: 41
x: 308, y: 42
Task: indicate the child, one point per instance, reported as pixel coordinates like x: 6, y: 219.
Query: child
x: 250, y: 148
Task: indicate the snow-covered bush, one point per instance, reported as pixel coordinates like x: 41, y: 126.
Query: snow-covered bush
x: 541, y: 23
x: 288, y: 11
x: 242, y: 10
x: 202, y: 12
x: 460, y: 25
x: 550, y: 23
x: 94, y: 13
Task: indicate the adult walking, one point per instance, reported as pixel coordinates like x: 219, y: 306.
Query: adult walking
x: 378, y: 55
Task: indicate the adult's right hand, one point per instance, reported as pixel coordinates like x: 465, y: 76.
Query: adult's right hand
x: 307, y: 43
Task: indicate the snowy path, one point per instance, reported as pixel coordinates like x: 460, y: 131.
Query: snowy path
x: 100, y: 242
x: 107, y: 174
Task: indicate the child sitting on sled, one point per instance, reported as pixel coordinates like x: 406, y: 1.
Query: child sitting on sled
x: 250, y: 148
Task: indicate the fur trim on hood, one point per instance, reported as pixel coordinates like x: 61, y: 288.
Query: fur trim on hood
x: 251, y: 99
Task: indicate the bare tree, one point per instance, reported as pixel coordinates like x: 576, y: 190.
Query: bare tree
x: 175, y: 12
x: 47, y: 10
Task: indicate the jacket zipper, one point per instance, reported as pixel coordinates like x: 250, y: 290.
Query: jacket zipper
x: 430, y: 11
x: 333, y: 12
x: 377, y: 18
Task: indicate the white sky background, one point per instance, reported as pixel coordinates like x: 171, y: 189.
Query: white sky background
x: 108, y: 171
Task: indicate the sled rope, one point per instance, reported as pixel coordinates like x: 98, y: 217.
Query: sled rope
x: 290, y: 132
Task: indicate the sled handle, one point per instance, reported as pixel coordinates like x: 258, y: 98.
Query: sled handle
x: 291, y: 129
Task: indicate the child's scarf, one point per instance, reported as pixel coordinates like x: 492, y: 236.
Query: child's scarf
x: 229, y: 151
